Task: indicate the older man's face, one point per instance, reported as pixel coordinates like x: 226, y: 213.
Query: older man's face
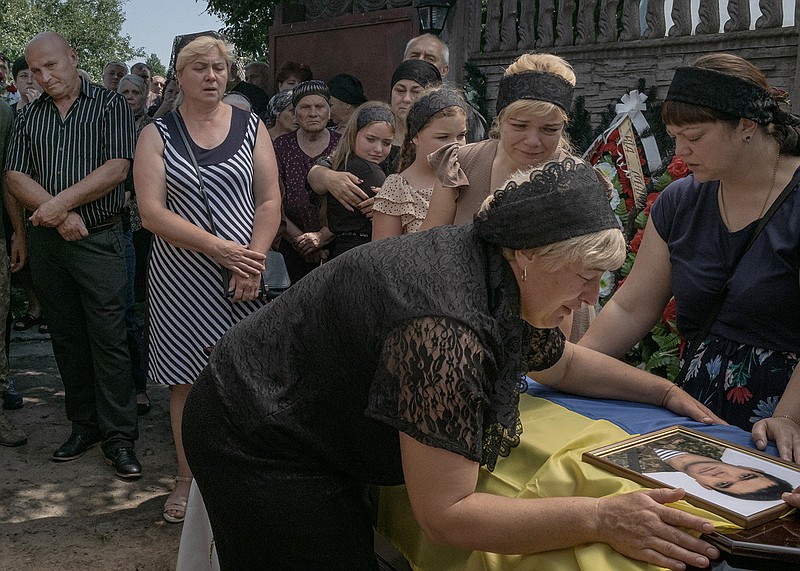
x: 429, y: 50
x: 54, y: 68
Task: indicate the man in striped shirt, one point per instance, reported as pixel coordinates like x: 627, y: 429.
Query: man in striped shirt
x: 67, y: 161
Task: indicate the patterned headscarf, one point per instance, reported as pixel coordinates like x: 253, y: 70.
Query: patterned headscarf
x: 311, y: 87
x: 536, y: 85
x: 374, y: 112
x: 429, y: 105
x: 277, y: 104
x: 722, y: 92
x: 418, y: 70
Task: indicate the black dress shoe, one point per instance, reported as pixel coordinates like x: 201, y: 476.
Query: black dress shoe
x: 74, y: 447
x: 125, y: 463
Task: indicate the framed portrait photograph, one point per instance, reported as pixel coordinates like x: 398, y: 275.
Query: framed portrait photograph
x: 742, y: 485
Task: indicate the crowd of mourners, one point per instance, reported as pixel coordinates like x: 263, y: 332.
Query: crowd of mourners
x: 433, y: 261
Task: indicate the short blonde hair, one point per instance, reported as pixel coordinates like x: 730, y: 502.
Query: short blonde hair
x: 542, y: 62
x: 201, y: 46
x: 602, y: 250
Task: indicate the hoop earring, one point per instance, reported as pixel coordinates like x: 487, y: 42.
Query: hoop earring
x: 747, y: 139
x: 525, y: 274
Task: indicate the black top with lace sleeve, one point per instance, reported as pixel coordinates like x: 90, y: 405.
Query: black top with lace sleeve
x: 419, y: 333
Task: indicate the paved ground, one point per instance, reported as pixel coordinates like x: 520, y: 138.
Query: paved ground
x: 77, y: 515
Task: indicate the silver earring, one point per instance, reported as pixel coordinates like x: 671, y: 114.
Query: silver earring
x: 747, y: 139
x: 525, y: 274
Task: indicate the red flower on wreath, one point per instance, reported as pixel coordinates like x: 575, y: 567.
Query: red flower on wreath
x: 669, y: 315
x: 677, y: 168
x: 636, y: 241
x: 651, y: 198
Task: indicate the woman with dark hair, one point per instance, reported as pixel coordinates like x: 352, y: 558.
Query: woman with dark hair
x: 347, y: 94
x: 291, y: 74
x: 402, y: 361
x: 743, y: 150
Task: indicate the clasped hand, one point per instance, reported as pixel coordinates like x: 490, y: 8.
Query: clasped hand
x: 240, y: 260
x: 244, y: 289
x: 72, y: 227
x: 309, y: 243
x: 50, y: 214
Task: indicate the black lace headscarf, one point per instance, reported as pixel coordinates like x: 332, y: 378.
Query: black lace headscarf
x: 563, y: 200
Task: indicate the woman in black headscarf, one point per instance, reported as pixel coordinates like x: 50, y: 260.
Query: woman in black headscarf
x: 407, y: 366
x: 347, y: 94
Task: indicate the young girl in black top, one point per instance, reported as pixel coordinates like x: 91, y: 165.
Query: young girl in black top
x: 365, y: 143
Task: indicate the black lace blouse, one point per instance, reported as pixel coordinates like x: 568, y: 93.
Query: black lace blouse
x: 419, y: 333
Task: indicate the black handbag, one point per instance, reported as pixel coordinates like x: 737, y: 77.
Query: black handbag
x: 275, y: 277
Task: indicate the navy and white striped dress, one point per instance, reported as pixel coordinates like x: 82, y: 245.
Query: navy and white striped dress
x: 188, y: 309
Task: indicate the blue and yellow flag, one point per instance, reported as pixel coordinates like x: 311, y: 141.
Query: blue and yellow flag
x: 558, y: 429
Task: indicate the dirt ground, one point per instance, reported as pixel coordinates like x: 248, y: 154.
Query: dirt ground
x: 77, y: 515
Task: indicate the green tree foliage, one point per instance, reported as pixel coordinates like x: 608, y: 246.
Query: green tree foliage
x: 92, y: 27
x: 247, y: 24
x: 156, y: 67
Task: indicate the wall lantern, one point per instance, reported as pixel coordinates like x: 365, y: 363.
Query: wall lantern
x: 432, y: 15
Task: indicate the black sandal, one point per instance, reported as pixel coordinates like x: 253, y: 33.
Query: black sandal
x: 26, y: 322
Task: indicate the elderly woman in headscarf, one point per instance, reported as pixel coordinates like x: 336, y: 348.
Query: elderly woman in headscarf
x: 407, y: 367
x: 347, y: 94
x: 305, y: 237
x: 280, y: 115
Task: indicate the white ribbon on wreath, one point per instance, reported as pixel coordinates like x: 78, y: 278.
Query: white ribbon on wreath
x: 632, y: 105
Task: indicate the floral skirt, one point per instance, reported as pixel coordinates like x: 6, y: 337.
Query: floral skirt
x: 740, y: 383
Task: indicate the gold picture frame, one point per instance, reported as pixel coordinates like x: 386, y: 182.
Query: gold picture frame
x: 740, y: 484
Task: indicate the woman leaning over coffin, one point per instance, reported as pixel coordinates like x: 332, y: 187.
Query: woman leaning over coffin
x: 407, y: 368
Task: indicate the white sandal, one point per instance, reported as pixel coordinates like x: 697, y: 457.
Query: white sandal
x: 178, y: 505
